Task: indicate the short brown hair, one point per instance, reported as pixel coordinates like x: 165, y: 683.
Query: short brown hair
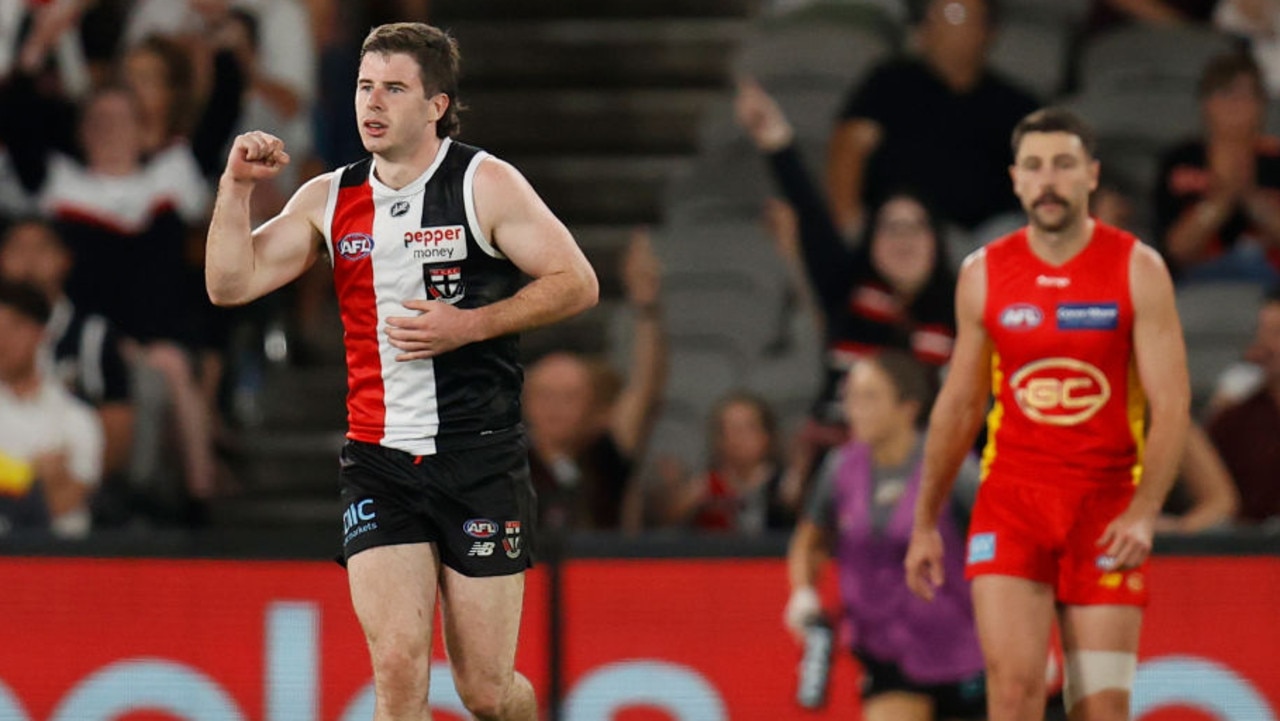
x: 439, y: 62
x: 1224, y: 68
x: 1056, y: 120
x: 911, y: 379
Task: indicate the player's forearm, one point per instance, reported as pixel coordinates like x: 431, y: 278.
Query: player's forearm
x: 229, y: 260
x: 547, y: 299
x: 952, y: 429
x: 1166, y: 441
x: 805, y: 555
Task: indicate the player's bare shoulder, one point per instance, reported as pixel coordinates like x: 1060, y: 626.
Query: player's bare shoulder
x: 971, y: 284
x: 310, y: 199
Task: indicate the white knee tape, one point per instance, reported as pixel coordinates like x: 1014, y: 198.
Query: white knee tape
x: 1088, y: 672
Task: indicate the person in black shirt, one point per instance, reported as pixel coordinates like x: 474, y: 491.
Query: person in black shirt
x: 939, y: 122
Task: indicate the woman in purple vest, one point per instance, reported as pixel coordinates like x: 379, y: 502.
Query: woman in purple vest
x: 920, y: 660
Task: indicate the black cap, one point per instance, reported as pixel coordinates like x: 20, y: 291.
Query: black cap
x: 27, y: 300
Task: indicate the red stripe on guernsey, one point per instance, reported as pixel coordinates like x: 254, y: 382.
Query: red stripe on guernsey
x: 353, y: 281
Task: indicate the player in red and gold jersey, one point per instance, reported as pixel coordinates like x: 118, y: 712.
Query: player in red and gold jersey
x: 1070, y: 326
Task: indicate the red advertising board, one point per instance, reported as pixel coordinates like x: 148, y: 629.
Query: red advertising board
x: 645, y: 640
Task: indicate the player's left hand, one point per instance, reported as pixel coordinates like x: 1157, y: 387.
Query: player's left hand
x: 438, y: 328
x: 1127, y: 540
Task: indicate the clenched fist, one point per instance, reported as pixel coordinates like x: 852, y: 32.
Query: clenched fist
x: 255, y: 156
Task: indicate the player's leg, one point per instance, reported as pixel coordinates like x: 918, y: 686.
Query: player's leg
x: 393, y: 590
x: 481, y: 617
x: 1101, y: 648
x: 1014, y: 618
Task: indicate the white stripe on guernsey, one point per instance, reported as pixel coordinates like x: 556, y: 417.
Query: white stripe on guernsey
x: 330, y: 205
x: 92, y: 338
x: 409, y: 388
x: 469, y: 200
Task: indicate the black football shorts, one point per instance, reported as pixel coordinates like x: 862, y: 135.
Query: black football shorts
x: 476, y: 504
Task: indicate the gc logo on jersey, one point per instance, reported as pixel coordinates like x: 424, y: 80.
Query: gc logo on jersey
x: 1060, y: 391
x: 355, y: 246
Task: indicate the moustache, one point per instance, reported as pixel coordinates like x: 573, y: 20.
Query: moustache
x: 1049, y: 198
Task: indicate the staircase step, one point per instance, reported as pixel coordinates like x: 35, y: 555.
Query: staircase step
x: 597, y: 53
x: 445, y: 11
x: 602, y: 189
x: 587, y: 121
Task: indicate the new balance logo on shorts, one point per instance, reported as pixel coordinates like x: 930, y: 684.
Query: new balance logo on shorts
x: 483, y: 549
x: 982, y: 548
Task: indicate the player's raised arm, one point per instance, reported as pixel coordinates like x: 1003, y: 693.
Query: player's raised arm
x: 953, y: 425
x: 242, y: 265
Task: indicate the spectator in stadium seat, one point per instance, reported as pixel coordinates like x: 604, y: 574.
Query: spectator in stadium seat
x: 1246, y: 433
x: 939, y: 121
x: 587, y: 427
x: 894, y: 289
x: 81, y: 349
x: 741, y: 489
x: 1218, y: 197
x: 50, y: 442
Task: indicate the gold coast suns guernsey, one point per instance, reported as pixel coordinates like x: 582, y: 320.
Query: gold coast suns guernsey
x: 420, y: 242
x: 1068, y: 403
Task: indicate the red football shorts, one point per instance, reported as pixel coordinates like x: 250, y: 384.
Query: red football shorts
x: 1050, y: 534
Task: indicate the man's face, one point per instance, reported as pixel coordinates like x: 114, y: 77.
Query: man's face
x: 1053, y: 177
x: 110, y: 130
x: 393, y: 111
x: 32, y: 254
x: 559, y: 400
x: 956, y: 28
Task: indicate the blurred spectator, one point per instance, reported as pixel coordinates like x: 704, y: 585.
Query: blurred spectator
x: 39, y: 36
x: 126, y: 218
x: 741, y: 490
x: 1203, y: 497
x: 161, y: 73
x: 1217, y: 209
x: 586, y: 428
x: 939, y: 121
x: 921, y: 659
x: 50, y: 442
x: 1107, y: 14
x: 894, y: 289
x: 1113, y: 202
x: 1257, y: 22
x: 82, y: 350
x: 1246, y: 434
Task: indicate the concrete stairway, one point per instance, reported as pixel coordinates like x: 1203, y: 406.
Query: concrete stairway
x: 598, y: 104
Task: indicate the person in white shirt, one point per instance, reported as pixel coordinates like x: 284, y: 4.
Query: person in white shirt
x: 50, y: 442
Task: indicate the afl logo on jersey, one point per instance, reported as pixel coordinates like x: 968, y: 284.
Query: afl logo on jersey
x: 1060, y: 391
x: 1021, y: 316
x: 355, y: 246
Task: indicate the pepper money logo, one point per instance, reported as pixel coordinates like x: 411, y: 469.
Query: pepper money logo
x: 1060, y: 391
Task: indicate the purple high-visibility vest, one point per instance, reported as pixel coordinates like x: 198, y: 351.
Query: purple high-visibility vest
x: 931, y: 642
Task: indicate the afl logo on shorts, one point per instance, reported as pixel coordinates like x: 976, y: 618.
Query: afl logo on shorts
x: 480, y: 528
x: 1021, y: 316
x: 355, y: 246
x: 1060, y: 391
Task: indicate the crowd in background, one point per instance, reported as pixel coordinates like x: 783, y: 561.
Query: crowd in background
x: 116, y: 373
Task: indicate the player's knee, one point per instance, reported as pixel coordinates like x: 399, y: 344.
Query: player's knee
x: 401, y: 669
x: 484, y: 697
x: 1009, y: 686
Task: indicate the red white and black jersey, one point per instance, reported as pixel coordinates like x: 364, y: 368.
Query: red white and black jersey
x: 420, y: 242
